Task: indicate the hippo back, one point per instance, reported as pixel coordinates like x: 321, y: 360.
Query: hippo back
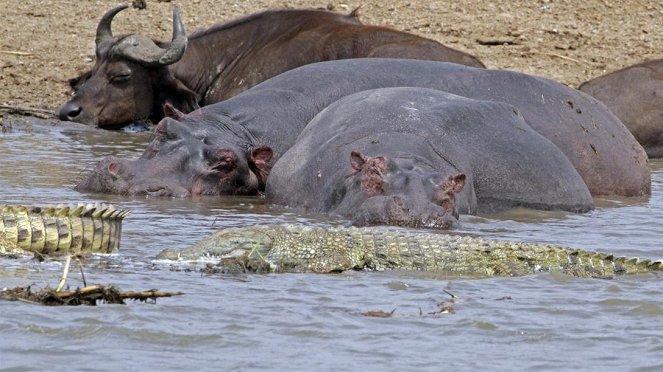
x: 635, y: 95
x: 506, y: 162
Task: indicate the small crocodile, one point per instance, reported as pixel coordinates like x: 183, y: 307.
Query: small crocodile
x: 60, y: 230
x: 297, y: 248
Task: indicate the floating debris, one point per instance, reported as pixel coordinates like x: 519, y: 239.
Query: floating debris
x: 90, y: 295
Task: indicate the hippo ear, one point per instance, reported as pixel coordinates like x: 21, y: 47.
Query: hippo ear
x: 357, y: 161
x: 376, y: 166
x: 453, y: 184
x: 259, y: 159
x: 114, y: 169
x: 170, y: 111
x: 446, y: 190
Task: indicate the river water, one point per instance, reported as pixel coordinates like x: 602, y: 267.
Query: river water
x: 314, y: 322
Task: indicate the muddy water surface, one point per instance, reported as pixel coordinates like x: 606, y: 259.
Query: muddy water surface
x: 307, y: 322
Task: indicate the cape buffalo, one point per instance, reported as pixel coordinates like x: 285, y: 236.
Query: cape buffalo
x: 401, y: 156
x: 134, y: 76
x: 635, y: 95
x: 227, y: 147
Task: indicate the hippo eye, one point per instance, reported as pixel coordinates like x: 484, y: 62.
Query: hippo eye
x: 221, y: 160
x: 161, y: 133
x: 222, y: 165
x: 446, y: 202
x: 151, y: 151
x: 120, y: 78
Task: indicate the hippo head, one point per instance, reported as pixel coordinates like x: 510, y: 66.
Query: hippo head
x: 130, y: 79
x: 396, y: 191
x: 182, y: 160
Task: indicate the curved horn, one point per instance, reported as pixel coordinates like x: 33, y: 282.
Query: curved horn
x: 104, y: 28
x: 178, y: 44
x: 143, y: 50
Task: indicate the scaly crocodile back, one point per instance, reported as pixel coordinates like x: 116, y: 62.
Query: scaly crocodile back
x: 60, y: 230
x: 299, y: 248
x: 338, y: 249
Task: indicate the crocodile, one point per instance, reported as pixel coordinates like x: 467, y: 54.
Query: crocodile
x: 298, y: 248
x: 61, y: 230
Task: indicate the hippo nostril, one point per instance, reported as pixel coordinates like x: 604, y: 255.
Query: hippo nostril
x: 70, y: 111
x: 397, y: 203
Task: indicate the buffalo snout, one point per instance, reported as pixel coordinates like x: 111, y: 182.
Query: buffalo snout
x: 71, y: 111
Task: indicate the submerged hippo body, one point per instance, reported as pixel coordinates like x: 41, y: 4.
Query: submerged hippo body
x: 635, y: 95
x: 392, y: 156
x: 227, y: 147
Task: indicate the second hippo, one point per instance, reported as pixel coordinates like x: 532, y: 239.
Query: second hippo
x: 416, y: 157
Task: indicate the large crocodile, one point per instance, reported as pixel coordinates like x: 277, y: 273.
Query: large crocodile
x: 60, y: 230
x: 296, y: 248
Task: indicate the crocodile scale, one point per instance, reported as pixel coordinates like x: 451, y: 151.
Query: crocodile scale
x: 60, y: 230
x: 298, y: 248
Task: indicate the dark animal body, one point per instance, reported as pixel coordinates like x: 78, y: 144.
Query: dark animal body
x: 635, y: 95
x: 227, y: 147
x: 393, y: 156
x: 134, y: 76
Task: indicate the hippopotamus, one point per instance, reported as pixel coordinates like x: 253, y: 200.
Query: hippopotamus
x: 635, y: 95
x: 228, y: 147
x: 401, y: 156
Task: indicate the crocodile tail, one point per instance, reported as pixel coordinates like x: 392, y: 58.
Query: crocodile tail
x: 656, y: 265
x: 614, y: 265
x: 635, y: 265
x: 63, y: 229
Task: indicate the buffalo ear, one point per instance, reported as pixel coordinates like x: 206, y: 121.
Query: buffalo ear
x: 188, y: 98
x: 174, y: 91
x: 259, y: 159
x: 75, y: 83
x: 170, y: 111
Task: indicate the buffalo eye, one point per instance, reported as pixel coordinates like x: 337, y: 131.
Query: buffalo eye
x: 120, y: 78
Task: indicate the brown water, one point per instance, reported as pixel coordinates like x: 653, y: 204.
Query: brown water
x: 314, y: 322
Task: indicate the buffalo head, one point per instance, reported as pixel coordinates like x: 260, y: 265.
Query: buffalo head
x: 130, y: 79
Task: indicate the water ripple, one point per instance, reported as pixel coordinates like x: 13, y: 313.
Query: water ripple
x: 313, y: 322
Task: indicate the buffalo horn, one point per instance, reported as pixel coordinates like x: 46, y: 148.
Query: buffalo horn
x: 143, y: 50
x: 104, y: 28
